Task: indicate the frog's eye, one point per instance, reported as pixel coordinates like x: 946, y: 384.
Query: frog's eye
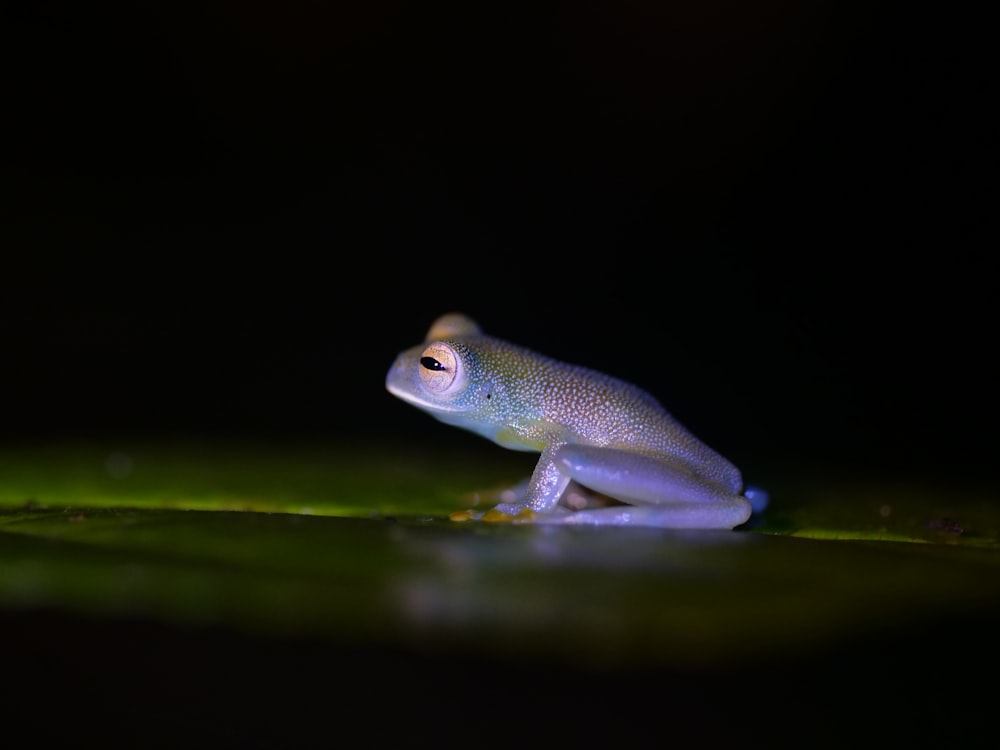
x: 441, y: 370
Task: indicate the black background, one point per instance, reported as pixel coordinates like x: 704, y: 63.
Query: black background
x: 227, y: 217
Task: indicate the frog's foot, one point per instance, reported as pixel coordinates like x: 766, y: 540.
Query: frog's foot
x: 574, y: 497
x: 508, y: 514
x: 673, y: 516
x: 511, y: 507
x: 487, y: 498
x: 668, y: 516
x: 519, y: 513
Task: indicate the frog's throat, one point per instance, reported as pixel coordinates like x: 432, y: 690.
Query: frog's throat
x: 508, y: 438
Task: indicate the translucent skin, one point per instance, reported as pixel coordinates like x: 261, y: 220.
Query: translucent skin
x: 592, y: 429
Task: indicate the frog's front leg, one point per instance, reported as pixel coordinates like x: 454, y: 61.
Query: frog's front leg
x: 661, y: 492
x: 547, y: 484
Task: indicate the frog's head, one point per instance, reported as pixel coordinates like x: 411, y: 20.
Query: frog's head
x: 442, y: 375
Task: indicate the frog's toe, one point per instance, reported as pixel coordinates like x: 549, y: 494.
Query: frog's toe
x: 496, y: 515
x: 465, y: 515
x: 519, y: 515
x: 758, y: 498
x: 509, y: 509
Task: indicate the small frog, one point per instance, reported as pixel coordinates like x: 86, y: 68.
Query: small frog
x: 594, y: 432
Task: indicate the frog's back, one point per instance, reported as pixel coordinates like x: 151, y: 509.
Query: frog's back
x: 586, y: 406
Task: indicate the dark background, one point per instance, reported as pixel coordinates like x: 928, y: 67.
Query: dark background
x: 227, y: 217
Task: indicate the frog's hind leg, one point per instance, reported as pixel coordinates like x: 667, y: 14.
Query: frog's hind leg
x: 658, y: 493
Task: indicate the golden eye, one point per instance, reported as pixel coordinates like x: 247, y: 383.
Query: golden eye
x: 441, y: 370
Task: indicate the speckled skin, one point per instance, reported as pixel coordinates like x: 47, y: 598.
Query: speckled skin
x: 601, y: 432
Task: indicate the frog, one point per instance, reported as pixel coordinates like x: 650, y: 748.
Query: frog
x: 609, y: 453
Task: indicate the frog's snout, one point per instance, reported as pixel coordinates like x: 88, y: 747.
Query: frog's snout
x: 396, y: 374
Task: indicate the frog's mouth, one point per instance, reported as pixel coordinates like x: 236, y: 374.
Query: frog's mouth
x: 438, y: 408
